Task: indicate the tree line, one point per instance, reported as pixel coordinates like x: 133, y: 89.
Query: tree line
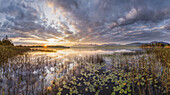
x: 6, y: 41
x: 156, y: 44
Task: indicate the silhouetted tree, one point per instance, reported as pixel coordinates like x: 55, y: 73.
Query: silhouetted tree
x: 6, y: 41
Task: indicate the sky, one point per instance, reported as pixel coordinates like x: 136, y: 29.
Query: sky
x: 68, y: 22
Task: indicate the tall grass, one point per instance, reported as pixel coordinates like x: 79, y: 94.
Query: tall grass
x: 10, y: 51
x: 147, y: 72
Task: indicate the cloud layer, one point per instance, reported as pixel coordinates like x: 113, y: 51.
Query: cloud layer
x: 85, y: 21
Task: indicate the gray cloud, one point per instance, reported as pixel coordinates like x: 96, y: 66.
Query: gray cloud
x: 110, y: 14
x: 23, y: 19
x: 87, y: 21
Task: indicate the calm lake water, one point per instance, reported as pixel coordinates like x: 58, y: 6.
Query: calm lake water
x: 71, y: 52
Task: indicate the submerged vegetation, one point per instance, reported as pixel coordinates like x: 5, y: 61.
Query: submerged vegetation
x: 133, y: 73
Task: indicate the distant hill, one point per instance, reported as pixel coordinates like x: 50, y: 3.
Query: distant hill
x: 109, y: 45
x: 135, y: 44
x: 85, y: 45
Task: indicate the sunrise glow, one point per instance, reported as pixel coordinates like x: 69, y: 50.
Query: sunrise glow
x: 45, y: 46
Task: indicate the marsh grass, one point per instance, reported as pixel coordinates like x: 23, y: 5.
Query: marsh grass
x: 7, y: 52
x: 43, y: 49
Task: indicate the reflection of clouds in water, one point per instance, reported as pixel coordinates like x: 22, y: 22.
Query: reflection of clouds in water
x: 123, y: 50
x: 77, y: 52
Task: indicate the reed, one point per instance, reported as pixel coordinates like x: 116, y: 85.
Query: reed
x: 7, y: 52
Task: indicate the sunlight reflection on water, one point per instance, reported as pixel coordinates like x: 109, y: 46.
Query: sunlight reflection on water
x: 60, y: 53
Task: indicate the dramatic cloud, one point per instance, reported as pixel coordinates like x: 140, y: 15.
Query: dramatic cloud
x: 85, y: 21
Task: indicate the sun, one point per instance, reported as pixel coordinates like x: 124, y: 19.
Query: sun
x: 45, y: 46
